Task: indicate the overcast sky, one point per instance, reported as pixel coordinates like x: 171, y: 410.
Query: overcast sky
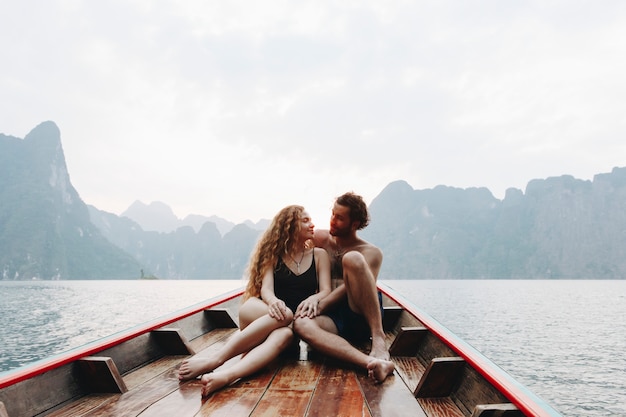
x: 238, y: 108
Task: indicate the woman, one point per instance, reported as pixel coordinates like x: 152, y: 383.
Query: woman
x: 286, y: 280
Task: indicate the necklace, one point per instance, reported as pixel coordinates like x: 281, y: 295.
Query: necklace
x: 296, y: 262
x: 339, y: 251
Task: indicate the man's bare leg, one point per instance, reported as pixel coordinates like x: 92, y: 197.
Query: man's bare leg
x: 320, y: 333
x: 249, y: 337
x: 363, y: 299
x: 253, y: 361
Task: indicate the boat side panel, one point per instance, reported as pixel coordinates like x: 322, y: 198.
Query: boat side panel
x: 201, y: 323
x: 474, y: 391
x: 431, y: 348
x: 133, y: 353
x: 34, y: 396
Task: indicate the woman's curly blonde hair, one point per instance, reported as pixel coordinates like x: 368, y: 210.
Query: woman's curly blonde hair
x: 275, y: 241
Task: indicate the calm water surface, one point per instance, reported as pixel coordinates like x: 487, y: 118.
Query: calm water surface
x: 564, y: 340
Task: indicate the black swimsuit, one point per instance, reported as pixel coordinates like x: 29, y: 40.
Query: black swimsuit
x: 292, y: 288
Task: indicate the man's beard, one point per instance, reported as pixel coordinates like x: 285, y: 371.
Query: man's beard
x: 340, y: 232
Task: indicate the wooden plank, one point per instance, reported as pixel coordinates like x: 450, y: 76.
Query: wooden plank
x: 133, y: 402
x: 407, y: 341
x: 185, y: 401
x: 231, y: 402
x: 338, y: 393
x: 240, y: 398
x: 133, y: 380
x: 83, y: 406
x: 152, y: 370
x: 101, y: 375
x: 497, y: 410
x: 410, y: 370
x: 281, y: 402
x: 218, y: 335
x: 390, y: 398
x: 440, y: 407
x: 297, y: 375
x: 171, y: 341
x: 440, y: 378
x: 187, y: 397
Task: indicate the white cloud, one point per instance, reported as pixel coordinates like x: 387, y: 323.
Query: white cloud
x: 239, y: 108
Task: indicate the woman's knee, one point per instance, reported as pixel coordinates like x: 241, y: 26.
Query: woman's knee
x: 282, y: 337
x: 250, y: 310
x: 288, y: 317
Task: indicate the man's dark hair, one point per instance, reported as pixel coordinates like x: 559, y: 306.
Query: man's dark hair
x: 358, y: 208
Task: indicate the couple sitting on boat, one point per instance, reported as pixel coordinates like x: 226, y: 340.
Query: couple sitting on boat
x: 290, y: 290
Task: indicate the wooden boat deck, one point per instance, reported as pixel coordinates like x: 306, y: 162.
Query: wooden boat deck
x: 317, y: 386
x: 139, y: 377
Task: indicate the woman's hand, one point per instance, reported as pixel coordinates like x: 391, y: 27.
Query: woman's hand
x: 277, y: 309
x: 308, y: 308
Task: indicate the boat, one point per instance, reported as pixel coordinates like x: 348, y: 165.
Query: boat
x: 134, y: 373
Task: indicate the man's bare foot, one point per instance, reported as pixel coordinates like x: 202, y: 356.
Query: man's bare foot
x: 212, y: 382
x: 379, y: 369
x: 195, y: 366
x: 380, y: 351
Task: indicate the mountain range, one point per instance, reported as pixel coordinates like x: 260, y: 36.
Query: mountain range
x: 558, y: 228
x: 159, y: 217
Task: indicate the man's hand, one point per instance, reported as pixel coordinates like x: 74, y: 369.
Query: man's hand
x: 308, y: 308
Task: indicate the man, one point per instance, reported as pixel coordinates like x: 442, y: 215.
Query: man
x: 352, y: 310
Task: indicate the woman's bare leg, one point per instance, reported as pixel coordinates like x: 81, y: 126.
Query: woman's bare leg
x: 256, y: 325
x: 250, y: 363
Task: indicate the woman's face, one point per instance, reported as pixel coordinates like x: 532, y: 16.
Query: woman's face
x: 307, y: 228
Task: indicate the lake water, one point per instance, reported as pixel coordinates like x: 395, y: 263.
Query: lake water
x: 564, y: 340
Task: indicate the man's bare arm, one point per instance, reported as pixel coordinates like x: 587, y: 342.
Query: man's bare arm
x: 320, y: 238
x: 335, y: 295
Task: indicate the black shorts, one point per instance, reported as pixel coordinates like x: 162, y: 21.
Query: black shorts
x: 350, y: 325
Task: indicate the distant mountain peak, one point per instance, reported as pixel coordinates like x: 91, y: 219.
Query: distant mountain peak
x: 159, y: 217
x: 45, y: 229
x: 45, y: 134
x: 156, y: 216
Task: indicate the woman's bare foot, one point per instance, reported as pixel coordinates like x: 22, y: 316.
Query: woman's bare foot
x: 193, y: 367
x: 212, y: 382
x: 379, y: 369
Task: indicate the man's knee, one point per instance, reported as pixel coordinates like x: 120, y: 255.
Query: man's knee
x: 353, y: 261
x: 303, y: 327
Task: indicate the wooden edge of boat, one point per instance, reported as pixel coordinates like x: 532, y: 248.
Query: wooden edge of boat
x: 519, y: 394
x: 135, y: 373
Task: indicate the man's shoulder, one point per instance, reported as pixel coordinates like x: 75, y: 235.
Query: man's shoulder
x: 371, y: 248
